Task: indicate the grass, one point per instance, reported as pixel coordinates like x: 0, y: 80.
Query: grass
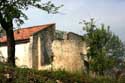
x: 25, y: 75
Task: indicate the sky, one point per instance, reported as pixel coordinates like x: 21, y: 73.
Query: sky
x: 108, y: 12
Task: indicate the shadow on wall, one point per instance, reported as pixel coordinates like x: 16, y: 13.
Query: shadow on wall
x: 2, y: 58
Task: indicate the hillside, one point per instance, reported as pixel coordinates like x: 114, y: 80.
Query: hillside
x: 24, y: 75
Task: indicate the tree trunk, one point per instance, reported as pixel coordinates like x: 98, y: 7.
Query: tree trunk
x: 8, y: 27
x: 11, y: 47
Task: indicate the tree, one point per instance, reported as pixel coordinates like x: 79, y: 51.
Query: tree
x: 12, y: 10
x: 106, y: 49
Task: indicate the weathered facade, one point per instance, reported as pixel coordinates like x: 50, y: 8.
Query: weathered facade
x: 41, y: 47
x: 69, y: 52
x: 32, y: 44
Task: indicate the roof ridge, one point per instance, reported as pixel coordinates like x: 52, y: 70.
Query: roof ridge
x: 29, y: 27
x: 25, y: 33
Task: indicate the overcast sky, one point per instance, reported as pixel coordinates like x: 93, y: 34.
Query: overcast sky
x: 109, y: 12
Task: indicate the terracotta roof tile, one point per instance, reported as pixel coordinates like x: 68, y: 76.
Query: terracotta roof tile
x: 25, y: 33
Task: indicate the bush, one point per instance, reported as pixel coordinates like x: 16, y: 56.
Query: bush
x: 25, y: 75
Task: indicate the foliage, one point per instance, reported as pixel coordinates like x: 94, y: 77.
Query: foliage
x: 106, y: 49
x: 13, y: 9
x: 25, y: 75
x: 104, y: 79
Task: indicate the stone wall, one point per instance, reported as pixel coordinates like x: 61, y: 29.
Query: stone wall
x: 67, y: 49
x: 48, y: 50
x: 41, y: 47
x: 69, y: 53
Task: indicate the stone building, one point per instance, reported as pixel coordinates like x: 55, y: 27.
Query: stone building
x: 43, y: 47
x: 32, y: 45
x: 69, y: 52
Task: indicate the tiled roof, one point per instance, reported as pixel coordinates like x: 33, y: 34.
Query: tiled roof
x: 25, y: 33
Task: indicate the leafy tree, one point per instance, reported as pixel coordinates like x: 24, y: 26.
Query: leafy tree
x: 106, y: 49
x: 12, y: 10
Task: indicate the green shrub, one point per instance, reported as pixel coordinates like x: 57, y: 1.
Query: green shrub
x: 25, y: 75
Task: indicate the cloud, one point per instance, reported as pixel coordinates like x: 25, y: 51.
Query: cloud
x: 109, y: 12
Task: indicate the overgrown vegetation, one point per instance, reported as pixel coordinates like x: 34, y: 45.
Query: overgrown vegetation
x: 24, y: 75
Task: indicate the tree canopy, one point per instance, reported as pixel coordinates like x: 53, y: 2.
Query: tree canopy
x: 106, y: 49
x: 12, y: 9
